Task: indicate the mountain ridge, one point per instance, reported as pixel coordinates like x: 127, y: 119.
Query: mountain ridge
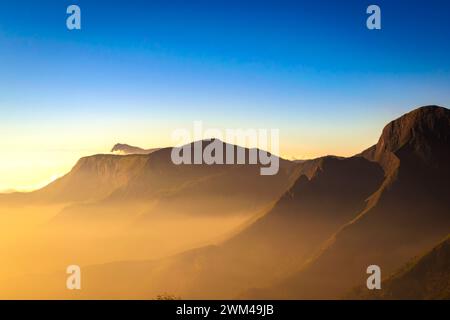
x: 394, y: 213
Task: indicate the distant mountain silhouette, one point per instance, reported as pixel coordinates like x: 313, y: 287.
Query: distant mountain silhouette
x: 109, y: 181
x: 125, y: 177
x: 425, y: 277
x: 91, y: 179
x: 125, y: 149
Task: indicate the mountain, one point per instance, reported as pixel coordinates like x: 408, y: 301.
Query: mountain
x: 265, y: 250
x: 276, y: 243
x: 92, y: 178
x: 423, y: 278
x: 406, y: 215
x: 142, y: 176
x: 125, y: 149
x: 318, y: 239
x: 197, y: 189
x: 319, y: 224
x: 111, y: 207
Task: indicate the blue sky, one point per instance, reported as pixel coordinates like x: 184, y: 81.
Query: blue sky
x: 139, y: 69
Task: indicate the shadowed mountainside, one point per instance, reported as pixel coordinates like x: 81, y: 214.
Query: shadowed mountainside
x: 164, y: 188
x: 423, y: 278
x: 325, y: 229
x: 271, y: 246
x: 276, y: 243
x: 131, y: 177
x: 406, y: 215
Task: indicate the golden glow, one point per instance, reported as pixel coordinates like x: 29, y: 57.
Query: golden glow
x: 33, y: 155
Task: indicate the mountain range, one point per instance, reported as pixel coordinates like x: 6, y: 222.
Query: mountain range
x: 308, y: 232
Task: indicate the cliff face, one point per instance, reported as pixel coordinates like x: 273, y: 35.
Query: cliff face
x: 424, y: 132
x: 92, y: 178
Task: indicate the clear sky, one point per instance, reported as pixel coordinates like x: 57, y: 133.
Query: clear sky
x: 137, y: 70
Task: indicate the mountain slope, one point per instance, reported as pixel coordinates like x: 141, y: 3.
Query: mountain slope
x: 92, y: 178
x: 145, y: 206
x: 337, y: 216
x: 281, y: 239
x: 196, y: 189
x: 142, y: 176
x: 407, y: 215
x: 426, y: 277
x: 276, y: 243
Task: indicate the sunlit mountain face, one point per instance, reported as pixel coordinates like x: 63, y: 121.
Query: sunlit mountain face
x: 224, y: 149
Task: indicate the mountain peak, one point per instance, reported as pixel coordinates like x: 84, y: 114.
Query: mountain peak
x: 429, y: 122
x: 424, y: 131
